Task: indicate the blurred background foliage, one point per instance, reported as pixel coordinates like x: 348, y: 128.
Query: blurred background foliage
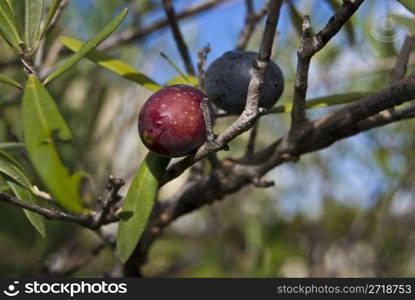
x: 345, y: 211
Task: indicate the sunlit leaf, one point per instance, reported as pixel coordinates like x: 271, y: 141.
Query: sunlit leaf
x: 138, y: 203
x: 9, y: 81
x: 189, y: 80
x: 25, y: 195
x: 43, y: 128
x: 324, y: 101
x: 174, y: 65
x: 409, y: 23
x: 52, y: 10
x: 108, y: 62
x: 409, y: 4
x: 88, y: 47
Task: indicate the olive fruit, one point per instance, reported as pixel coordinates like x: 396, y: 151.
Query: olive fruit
x: 228, y: 77
x: 171, y: 122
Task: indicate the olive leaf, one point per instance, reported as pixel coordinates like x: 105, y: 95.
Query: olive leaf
x: 11, y: 168
x: 41, y: 121
x: 26, y: 195
x: 325, y: 101
x: 9, y: 81
x: 409, y: 23
x: 21, y: 187
x: 8, y: 27
x: 190, y: 80
x: 138, y: 203
x: 87, y: 47
x: 115, y: 65
x: 51, y: 13
x: 409, y: 4
x: 28, y: 16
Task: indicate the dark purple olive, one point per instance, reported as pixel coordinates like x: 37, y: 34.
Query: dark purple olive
x: 227, y: 80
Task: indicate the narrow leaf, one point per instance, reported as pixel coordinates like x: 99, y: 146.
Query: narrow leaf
x: 138, y: 203
x: 88, y: 47
x: 28, y: 16
x: 10, y: 167
x: 51, y: 13
x: 33, y: 18
x: 190, y: 80
x: 409, y: 23
x: 108, y: 62
x: 25, y: 195
x: 9, y: 81
x: 324, y: 101
x: 175, y: 67
x: 8, y: 27
x: 11, y: 146
x: 43, y: 126
x: 409, y: 4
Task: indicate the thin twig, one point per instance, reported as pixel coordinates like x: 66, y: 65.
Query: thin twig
x: 310, y: 45
x: 111, y: 199
x: 135, y: 33
x: 402, y: 60
x: 178, y: 37
x: 250, y: 148
x: 202, y: 56
x: 251, y: 21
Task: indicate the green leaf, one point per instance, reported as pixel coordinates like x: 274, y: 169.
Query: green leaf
x: 11, y: 146
x: 138, y: 203
x: 11, y: 168
x: 325, y: 101
x: 190, y: 80
x: 409, y: 23
x: 28, y: 16
x: 409, y: 4
x: 88, y: 47
x: 8, y: 27
x: 108, y: 62
x: 25, y: 195
x: 7, y: 80
x: 175, y: 67
x: 43, y: 127
x: 51, y: 13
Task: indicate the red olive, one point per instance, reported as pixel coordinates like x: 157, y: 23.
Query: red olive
x: 171, y: 122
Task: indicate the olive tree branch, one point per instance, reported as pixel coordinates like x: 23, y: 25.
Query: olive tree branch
x: 232, y: 175
x: 103, y: 215
x: 178, y: 37
x: 251, y: 112
x: 310, y: 45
